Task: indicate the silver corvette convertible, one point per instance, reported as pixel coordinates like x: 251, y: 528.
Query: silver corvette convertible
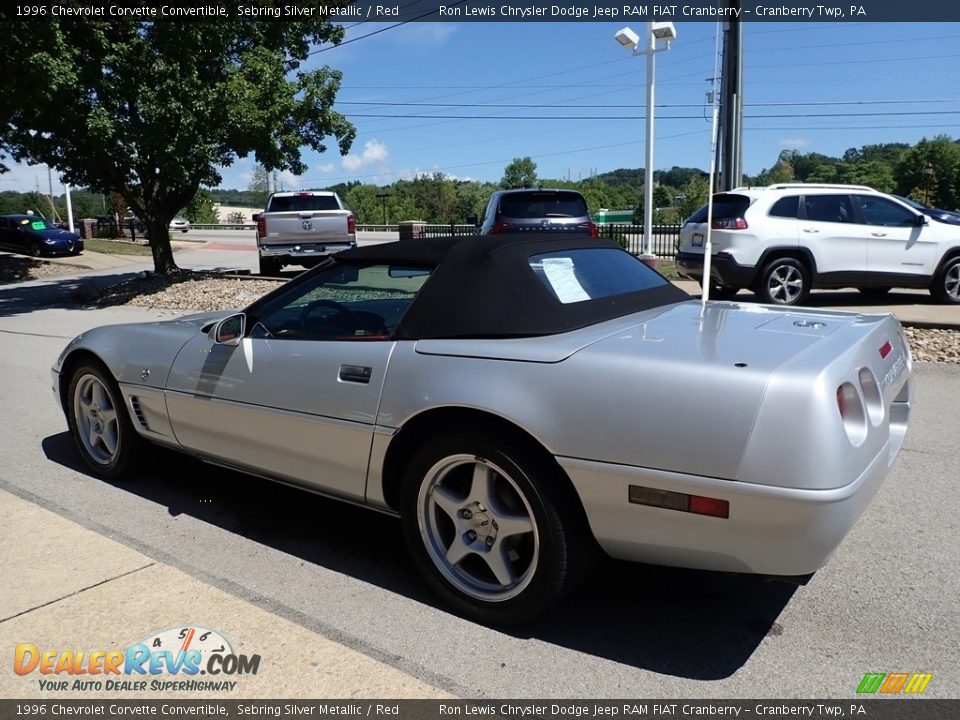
x: 520, y: 403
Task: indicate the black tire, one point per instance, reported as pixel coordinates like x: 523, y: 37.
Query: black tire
x: 874, y: 293
x: 104, y: 423
x: 36, y: 249
x: 270, y: 266
x: 784, y: 281
x: 540, y: 564
x: 946, y: 285
x: 722, y: 292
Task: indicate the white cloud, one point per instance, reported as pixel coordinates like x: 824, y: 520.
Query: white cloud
x: 374, y: 152
x: 326, y: 167
x: 26, y: 178
x: 794, y: 143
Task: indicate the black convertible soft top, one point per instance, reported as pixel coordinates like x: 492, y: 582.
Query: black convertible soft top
x: 484, y: 286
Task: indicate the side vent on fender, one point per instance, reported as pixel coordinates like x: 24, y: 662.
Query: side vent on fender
x: 138, y: 413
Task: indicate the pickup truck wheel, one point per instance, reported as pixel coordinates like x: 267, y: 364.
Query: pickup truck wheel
x: 99, y: 422
x: 270, y: 266
x: 784, y: 281
x: 487, y: 529
x: 946, y: 286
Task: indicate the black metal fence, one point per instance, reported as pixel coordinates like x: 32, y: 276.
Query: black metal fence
x: 663, y: 244
x: 664, y: 241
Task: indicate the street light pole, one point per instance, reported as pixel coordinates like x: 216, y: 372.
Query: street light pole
x: 648, y: 167
x: 629, y: 39
x: 928, y: 174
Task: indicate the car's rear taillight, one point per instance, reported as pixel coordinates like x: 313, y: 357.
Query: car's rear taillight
x: 669, y: 500
x: 591, y: 228
x: 852, y: 414
x: 351, y: 224
x: 729, y: 224
x: 501, y: 227
x: 261, y: 227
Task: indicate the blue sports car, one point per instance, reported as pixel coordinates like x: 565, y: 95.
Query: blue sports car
x: 34, y: 235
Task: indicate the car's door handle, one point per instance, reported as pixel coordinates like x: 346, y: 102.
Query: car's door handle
x: 878, y: 234
x: 811, y: 230
x: 355, y: 373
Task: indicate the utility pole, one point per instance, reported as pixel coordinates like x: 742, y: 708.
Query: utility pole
x: 730, y: 146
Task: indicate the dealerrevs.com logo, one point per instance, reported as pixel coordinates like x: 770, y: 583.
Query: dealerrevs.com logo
x: 171, y: 660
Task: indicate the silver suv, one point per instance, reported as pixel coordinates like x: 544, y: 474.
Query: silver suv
x: 783, y: 240
x: 541, y: 210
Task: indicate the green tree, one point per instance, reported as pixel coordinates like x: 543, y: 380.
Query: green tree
x: 521, y: 172
x: 259, y: 188
x: 939, y: 188
x: 691, y: 196
x: 150, y: 110
x: 201, y: 210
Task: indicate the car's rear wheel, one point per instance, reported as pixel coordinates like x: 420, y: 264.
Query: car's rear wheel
x: 784, y: 281
x: 269, y: 266
x: 99, y: 422
x: 488, y: 528
x: 36, y: 249
x: 946, y: 286
x: 874, y: 293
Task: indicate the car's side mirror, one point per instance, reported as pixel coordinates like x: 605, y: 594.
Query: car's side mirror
x: 230, y: 330
x: 921, y: 220
x: 472, y: 220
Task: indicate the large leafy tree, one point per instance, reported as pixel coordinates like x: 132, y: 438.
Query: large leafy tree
x: 150, y: 110
x: 521, y: 172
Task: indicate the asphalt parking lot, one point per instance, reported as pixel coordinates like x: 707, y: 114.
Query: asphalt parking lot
x: 887, y: 601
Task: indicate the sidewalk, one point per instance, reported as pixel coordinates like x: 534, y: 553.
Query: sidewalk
x: 68, y: 588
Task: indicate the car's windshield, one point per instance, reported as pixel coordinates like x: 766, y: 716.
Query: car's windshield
x: 36, y: 223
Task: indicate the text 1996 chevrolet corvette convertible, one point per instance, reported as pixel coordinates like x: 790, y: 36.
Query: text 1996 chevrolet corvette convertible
x: 519, y: 401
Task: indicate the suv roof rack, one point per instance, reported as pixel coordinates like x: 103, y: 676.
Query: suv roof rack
x: 819, y: 186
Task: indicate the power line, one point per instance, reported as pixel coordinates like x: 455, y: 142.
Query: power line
x: 659, y: 105
x: 642, y: 117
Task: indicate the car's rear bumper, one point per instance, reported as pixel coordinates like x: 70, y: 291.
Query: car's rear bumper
x: 770, y: 530
x: 723, y: 268
x: 301, y: 251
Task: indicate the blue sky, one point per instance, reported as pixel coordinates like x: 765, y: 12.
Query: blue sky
x: 826, y: 87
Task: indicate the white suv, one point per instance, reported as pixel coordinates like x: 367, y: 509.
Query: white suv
x: 782, y: 240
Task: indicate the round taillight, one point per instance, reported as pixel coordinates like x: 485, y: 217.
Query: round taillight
x: 872, y: 397
x: 852, y: 413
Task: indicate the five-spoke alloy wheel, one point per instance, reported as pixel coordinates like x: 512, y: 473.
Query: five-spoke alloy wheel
x: 99, y: 422
x: 946, y: 285
x: 490, y: 527
x: 784, y: 281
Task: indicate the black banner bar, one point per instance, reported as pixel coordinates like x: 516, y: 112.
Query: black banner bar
x: 460, y: 11
x: 893, y: 708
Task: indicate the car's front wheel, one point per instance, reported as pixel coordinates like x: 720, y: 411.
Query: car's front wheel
x: 784, y: 281
x: 489, y: 529
x: 99, y: 422
x: 946, y: 286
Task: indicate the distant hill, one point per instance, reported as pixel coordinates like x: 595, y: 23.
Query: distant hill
x: 633, y: 177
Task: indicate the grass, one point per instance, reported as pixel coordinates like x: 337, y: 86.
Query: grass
x: 115, y: 247
x: 668, y: 268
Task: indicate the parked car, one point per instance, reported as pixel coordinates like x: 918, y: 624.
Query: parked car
x: 783, y: 240
x: 518, y: 401
x: 944, y: 216
x: 540, y: 210
x: 34, y: 235
x: 302, y: 228
x: 179, y: 223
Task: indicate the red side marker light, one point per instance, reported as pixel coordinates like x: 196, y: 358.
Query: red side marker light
x: 709, y: 506
x: 885, y: 349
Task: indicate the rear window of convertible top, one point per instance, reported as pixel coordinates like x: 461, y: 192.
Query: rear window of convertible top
x: 588, y: 274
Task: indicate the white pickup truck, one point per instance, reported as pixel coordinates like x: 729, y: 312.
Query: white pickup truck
x: 301, y: 228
